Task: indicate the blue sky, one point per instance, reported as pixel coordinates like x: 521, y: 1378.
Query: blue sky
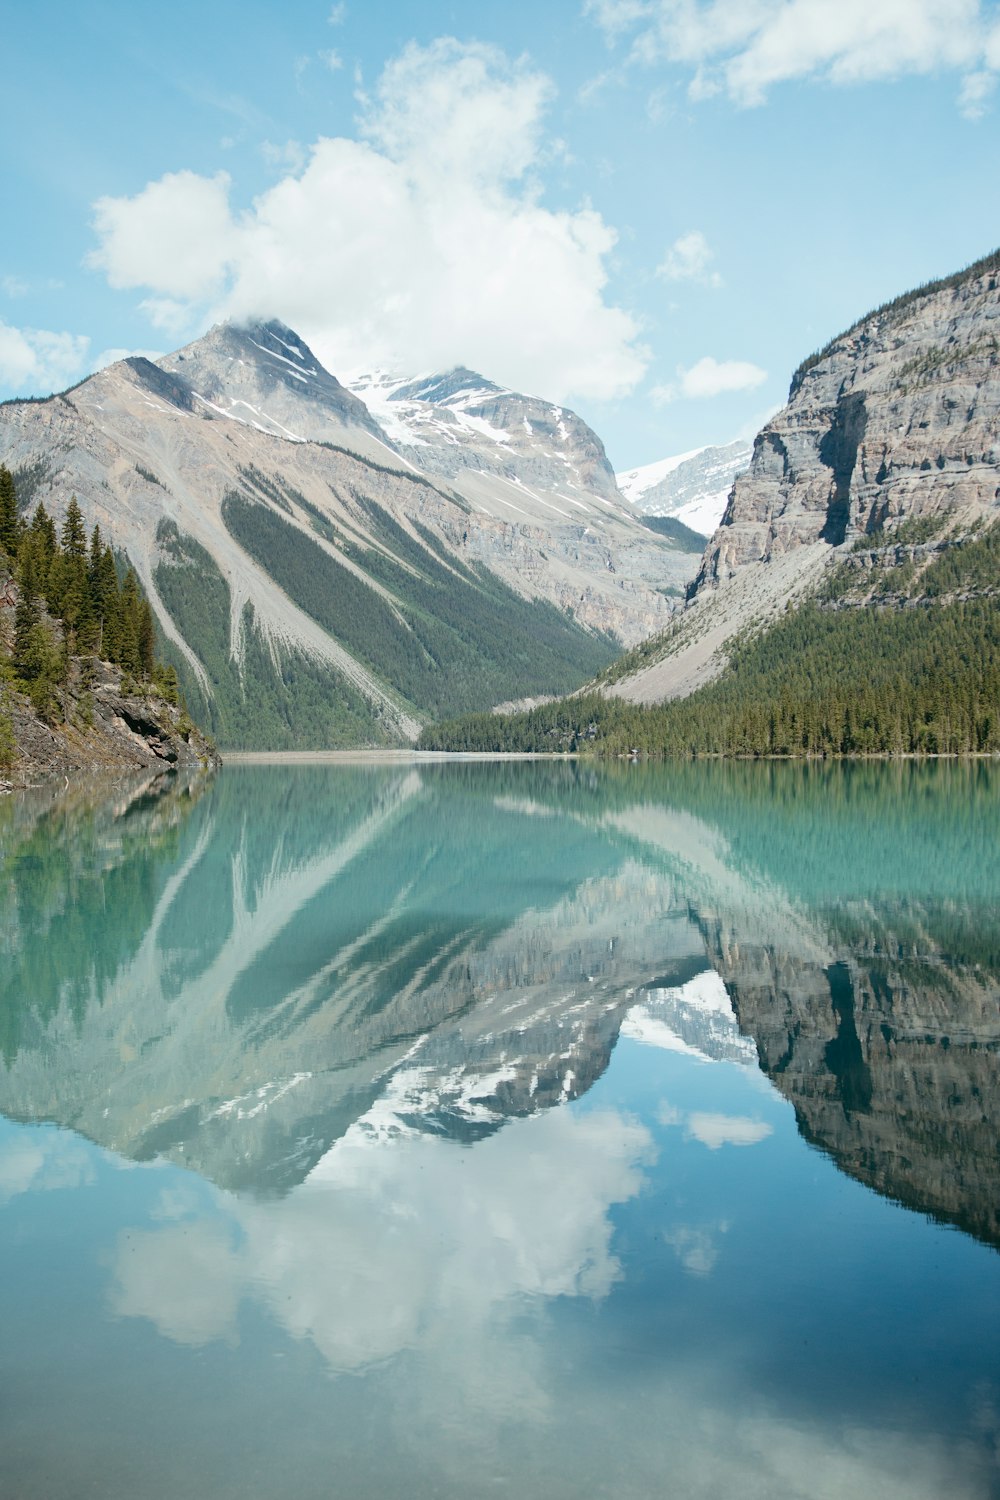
x: 650, y: 210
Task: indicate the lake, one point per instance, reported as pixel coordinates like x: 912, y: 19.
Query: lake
x: 516, y: 1129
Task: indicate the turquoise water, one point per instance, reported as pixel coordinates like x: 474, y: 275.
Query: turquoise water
x: 522, y: 1129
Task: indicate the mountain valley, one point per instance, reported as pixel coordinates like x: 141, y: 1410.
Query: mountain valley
x: 848, y: 601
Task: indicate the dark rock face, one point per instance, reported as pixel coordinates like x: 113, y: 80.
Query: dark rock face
x: 103, y: 730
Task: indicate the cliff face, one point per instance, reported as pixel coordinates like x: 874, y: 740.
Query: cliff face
x: 103, y: 731
x: 892, y: 432
x: 898, y: 419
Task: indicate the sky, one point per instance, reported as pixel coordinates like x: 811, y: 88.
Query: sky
x: 647, y: 210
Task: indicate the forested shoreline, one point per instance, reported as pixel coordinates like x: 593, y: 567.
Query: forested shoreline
x: 69, y: 606
x: 914, y: 671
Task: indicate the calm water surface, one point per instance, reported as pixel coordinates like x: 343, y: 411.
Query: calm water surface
x: 502, y: 1129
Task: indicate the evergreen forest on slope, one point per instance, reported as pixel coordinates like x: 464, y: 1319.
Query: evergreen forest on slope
x: 74, y: 601
x: 914, y: 670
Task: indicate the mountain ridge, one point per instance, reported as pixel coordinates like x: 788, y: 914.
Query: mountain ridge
x: 202, y: 461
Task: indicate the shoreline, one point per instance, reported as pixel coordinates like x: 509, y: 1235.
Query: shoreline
x: 381, y: 757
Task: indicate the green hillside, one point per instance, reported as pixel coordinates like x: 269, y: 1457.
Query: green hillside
x: 274, y: 698
x: 453, y: 639
x: 917, y: 673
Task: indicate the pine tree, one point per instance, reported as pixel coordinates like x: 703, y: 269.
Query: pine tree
x: 129, y: 651
x: 74, y: 537
x: 147, y: 640
x: 10, y: 523
x: 106, y: 600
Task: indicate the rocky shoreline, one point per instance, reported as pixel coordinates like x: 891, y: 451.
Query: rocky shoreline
x: 104, y: 729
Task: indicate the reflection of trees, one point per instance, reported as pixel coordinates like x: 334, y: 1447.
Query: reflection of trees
x: 79, y: 881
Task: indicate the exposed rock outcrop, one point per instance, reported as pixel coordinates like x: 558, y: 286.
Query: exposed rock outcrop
x: 101, y: 729
x: 899, y: 418
x: 896, y: 421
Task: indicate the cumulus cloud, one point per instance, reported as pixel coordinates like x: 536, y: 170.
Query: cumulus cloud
x: 423, y: 243
x: 745, y: 49
x: 689, y: 259
x: 711, y: 377
x: 177, y: 236
x: 38, y: 360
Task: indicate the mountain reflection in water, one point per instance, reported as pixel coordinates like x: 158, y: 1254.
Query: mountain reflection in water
x: 415, y: 1052
x: 234, y: 975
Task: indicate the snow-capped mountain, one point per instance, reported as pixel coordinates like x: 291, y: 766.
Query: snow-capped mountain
x: 324, y: 581
x: 692, y: 487
x: 512, y: 455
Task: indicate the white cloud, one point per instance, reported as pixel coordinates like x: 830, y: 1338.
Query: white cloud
x: 14, y: 286
x: 177, y: 236
x: 747, y: 46
x: 338, y: 14
x: 43, y: 1161
x: 423, y: 243
x: 710, y: 377
x: 170, y: 316
x: 38, y: 360
x: 697, y: 1249
x: 689, y: 259
x: 333, y: 59
x: 975, y: 93
x: 715, y: 1130
x: 291, y: 157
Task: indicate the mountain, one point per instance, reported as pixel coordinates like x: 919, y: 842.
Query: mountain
x: 319, y: 582
x: 848, y: 603
x: 692, y: 487
x: 492, y: 442
x: 886, y: 458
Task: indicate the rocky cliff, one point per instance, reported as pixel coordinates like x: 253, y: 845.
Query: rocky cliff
x: 897, y: 419
x: 894, y: 426
x: 106, y: 727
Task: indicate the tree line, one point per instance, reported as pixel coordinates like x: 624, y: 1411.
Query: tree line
x: 919, y: 678
x: 71, y: 602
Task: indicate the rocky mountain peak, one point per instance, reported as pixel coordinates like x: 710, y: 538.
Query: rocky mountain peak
x: 444, y: 388
x: 890, y: 439
x: 265, y: 375
x: 692, y: 487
